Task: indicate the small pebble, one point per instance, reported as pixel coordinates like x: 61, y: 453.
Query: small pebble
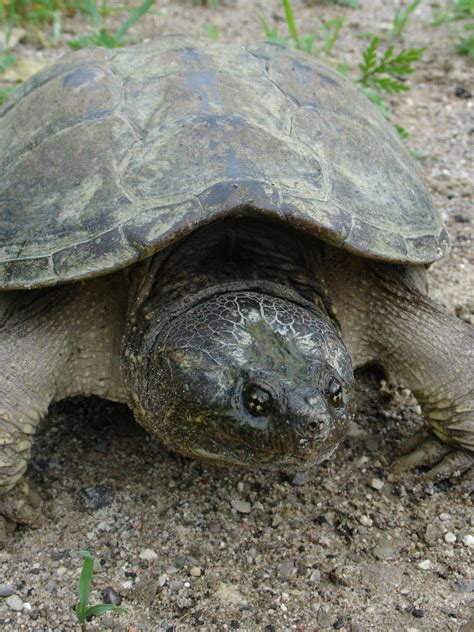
x: 444, y: 517
x: 242, y: 506
x: 365, y: 520
x: 110, y: 595
x: 50, y: 586
x: 148, y: 554
x: 162, y: 579
x: 418, y: 613
x: 323, y: 618
x: 97, y: 496
x: 464, y: 585
x: 425, y: 565
x: 62, y: 570
x: 14, y: 603
x: 315, y: 575
x: 468, y: 540
x: 285, y: 569
x: 276, y: 520
x: 300, y: 478
x: 383, y: 552
x: 449, y: 537
x: 240, y: 487
x: 175, y: 584
x: 181, y: 560
x: 195, y: 571
x: 6, y: 590
x: 431, y: 534
x: 377, y: 484
x: 462, y: 92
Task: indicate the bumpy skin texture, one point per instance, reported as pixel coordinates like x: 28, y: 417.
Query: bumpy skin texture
x: 150, y: 142
x: 238, y: 308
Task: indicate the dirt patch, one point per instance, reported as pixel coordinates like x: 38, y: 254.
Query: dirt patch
x: 350, y: 546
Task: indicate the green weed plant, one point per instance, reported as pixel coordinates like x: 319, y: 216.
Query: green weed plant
x: 459, y: 11
x: 101, y: 35
x: 83, y: 611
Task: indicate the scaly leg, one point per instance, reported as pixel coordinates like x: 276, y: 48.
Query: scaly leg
x: 428, y: 350
x: 53, y: 343
x: 32, y: 347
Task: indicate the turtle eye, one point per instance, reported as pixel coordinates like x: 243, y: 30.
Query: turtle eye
x: 334, y: 392
x: 257, y: 400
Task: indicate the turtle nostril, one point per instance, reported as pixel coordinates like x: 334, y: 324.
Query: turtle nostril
x: 313, y: 425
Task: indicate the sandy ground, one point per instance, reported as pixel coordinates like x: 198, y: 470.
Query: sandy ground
x: 349, y: 547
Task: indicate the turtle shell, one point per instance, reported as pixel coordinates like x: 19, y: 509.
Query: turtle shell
x: 109, y: 156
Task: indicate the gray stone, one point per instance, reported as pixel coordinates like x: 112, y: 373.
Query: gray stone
x: 242, y: 506
x: 148, y: 555
x: 14, y: 603
x: 285, y: 569
x: 95, y: 497
x: 383, y: 552
x: 6, y: 590
x: 176, y: 584
x: 323, y: 618
x: 110, y: 595
x: 300, y: 478
x: 315, y: 575
x: 464, y: 585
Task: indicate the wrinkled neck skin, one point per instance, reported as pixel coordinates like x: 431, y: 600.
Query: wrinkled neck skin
x: 237, y: 307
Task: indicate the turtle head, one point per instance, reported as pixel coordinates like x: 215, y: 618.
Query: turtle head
x: 250, y: 379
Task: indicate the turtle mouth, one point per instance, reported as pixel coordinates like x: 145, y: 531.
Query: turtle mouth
x: 220, y: 441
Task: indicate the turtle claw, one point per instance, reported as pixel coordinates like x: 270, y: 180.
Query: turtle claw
x: 21, y: 505
x: 443, y: 461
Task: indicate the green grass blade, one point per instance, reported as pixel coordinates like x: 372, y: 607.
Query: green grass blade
x: 136, y: 15
x: 84, y: 587
x: 91, y: 8
x: 290, y: 20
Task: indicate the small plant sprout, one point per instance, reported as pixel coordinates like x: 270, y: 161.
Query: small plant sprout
x: 460, y: 10
x: 401, y: 18
x: 7, y: 60
x: 83, y: 610
x: 102, y: 36
x: 313, y: 43
x: 382, y: 74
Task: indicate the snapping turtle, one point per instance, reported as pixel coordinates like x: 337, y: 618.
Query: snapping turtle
x: 216, y: 235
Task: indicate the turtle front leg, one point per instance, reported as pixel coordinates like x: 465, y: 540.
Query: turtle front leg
x: 33, y: 346
x: 427, y: 350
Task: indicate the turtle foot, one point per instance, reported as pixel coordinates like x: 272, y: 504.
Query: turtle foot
x: 443, y: 461
x: 21, y: 505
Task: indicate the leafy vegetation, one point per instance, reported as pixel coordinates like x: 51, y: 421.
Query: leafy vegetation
x: 83, y: 611
x: 316, y: 44
x: 383, y: 73
x: 101, y: 35
x: 36, y: 16
x: 459, y: 10
x: 401, y: 18
x: 6, y: 61
x: 49, y: 14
